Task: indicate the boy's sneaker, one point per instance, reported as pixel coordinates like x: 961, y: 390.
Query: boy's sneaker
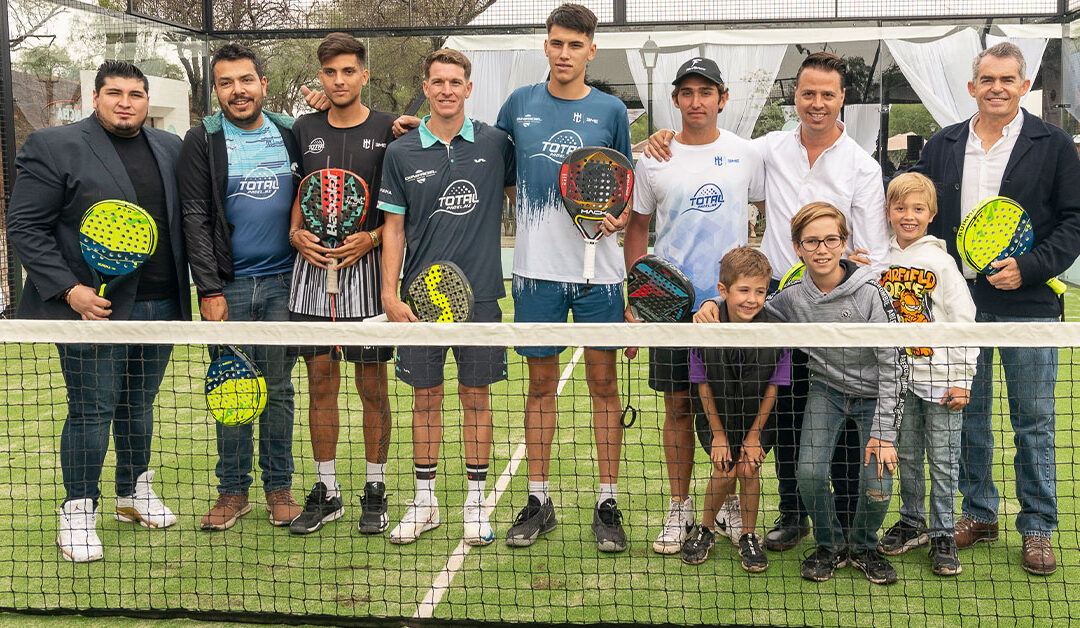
x: 318, y: 511
x: 753, y: 557
x: 696, y: 548
x: 729, y: 519
x: 944, y: 559
x: 77, y: 532
x: 607, y: 526
x: 418, y: 519
x: 875, y: 566
x: 901, y: 538
x: 533, y: 520
x: 477, y: 525
x: 677, y: 527
x: 786, y: 533
x: 822, y: 562
x: 373, y: 517
x: 144, y: 506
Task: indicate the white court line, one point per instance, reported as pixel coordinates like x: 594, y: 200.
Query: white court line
x: 441, y: 585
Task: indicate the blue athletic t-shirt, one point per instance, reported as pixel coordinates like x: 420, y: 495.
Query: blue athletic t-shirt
x: 258, y: 200
x: 545, y: 130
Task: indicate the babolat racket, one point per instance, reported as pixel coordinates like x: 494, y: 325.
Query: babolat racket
x: 658, y: 292
x: 595, y: 182
x: 115, y: 238
x: 998, y: 228
x: 235, y: 388
x: 441, y: 294
x: 793, y: 273
x: 333, y: 203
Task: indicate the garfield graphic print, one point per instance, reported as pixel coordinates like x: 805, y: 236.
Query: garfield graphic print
x: 910, y: 289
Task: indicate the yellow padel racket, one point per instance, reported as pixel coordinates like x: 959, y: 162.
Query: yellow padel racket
x: 235, y: 388
x: 115, y: 238
x: 998, y: 228
x: 441, y: 294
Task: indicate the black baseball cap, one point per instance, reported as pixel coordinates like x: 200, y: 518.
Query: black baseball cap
x: 705, y: 68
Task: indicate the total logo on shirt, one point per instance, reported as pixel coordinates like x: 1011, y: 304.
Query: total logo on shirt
x: 708, y: 198
x: 259, y: 183
x: 559, y: 145
x: 459, y: 198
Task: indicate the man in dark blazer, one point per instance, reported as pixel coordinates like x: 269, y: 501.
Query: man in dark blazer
x: 1004, y: 150
x: 60, y: 172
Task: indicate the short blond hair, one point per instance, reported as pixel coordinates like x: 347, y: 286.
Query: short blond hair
x: 811, y: 212
x: 912, y: 183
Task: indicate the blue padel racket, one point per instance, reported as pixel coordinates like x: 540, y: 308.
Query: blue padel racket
x: 115, y: 238
x: 235, y: 388
x: 441, y: 294
x: 793, y: 273
x: 658, y: 292
x: 333, y: 203
x: 998, y: 228
x: 595, y: 182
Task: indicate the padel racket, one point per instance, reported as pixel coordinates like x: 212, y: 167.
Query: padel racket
x: 115, y: 238
x: 333, y: 203
x: 998, y: 228
x: 235, y: 388
x: 441, y: 294
x: 595, y: 182
x: 658, y: 292
x: 793, y: 273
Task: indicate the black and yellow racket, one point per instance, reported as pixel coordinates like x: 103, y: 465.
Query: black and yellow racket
x: 998, y: 228
x: 235, y: 387
x: 115, y: 238
x: 594, y: 182
x: 441, y: 294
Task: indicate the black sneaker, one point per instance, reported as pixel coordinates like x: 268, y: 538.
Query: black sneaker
x: 820, y: 564
x: 696, y: 548
x: 944, y: 560
x: 607, y: 526
x: 753, y: 557
x: 875, y: 566
x: 318, y: 510
x: 788, y: 530
x: 533, y: 520
x: 901, y: 538
x: 373, y: 517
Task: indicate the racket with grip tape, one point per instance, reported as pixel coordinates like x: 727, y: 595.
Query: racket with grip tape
x: 595, y: 182
x: 333, y: 203
x: 441, y: 294
x: 658, y: 291
x: 116, y: 238
x: 235, y: 387
x: 998, y: 228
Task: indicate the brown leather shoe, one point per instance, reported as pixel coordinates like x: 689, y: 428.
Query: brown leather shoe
x: 225, y: 511
x: 968, y: 532
x: 282, y: 507
x: 1039, y: 556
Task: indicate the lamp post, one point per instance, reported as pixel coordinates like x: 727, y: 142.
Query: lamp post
x: 649, y: 53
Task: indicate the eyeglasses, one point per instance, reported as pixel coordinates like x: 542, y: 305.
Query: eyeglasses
x: 811, y: 244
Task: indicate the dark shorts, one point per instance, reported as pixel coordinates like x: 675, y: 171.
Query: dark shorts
x: 422, y: 367
x: 543, y: 301
x: 735, y: 429
x: 355, y: 354
x: 669, y: 369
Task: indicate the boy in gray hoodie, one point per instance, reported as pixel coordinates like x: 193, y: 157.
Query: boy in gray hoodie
x: 865, y: 384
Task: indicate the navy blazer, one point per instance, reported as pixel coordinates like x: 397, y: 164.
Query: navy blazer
x: 60, y: 173
x: 1043, y: 176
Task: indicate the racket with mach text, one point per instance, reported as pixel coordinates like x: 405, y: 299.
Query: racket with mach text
x: 595, y: 182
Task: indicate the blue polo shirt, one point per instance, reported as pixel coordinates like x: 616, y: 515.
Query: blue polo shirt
x: 451, y: 195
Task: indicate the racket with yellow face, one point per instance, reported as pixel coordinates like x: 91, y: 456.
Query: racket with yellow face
x: 116, y: 238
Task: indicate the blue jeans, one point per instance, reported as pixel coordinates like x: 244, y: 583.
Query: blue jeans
x: 111, y: 386
x: 260, y: 299
x: 1030, y: 378
x: 827, y: 409
x: 934, y: 429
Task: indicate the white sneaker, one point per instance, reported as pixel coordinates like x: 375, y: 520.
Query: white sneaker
x: 477, y: 526
x: 729, y: 519
x: 419, y: 518
x: 144, y: 506
x: 77, y: 538
x: 677, y: 527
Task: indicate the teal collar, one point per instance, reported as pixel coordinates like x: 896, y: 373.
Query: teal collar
x: 427, y: 138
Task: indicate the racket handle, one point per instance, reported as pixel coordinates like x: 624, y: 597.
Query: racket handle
x: 331, y: 277
x: 1057, y: 285
x: 589, y: 271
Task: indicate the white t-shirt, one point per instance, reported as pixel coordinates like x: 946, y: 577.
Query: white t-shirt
x: 700, y: 200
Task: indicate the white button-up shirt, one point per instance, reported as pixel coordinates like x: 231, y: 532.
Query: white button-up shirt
x: 984, y: 169
x: 844, y: 175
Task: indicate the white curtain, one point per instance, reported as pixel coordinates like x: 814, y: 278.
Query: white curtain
x: 1071, y: 76
x: 862, y: 123
x: 748, y: 71
x: 497, y: 73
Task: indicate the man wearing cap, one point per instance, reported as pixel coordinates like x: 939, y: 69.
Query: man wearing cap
x: 699, y: 198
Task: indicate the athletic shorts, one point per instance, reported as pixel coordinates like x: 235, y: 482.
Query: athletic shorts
x: 355, y: 354
x: 543, y: 301
x: 422, y: 367
x: 669, y: 369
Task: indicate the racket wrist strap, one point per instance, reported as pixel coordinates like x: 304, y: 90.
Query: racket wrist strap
x: 208, y: 297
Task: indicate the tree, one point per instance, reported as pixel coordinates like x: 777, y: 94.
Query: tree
x: 27, y: 17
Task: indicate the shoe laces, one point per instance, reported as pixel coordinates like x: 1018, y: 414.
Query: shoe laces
x: 412, y: 514
x: 674, y: 522
x: 283, y: 497
x: 80, y: 519
x: 749, y: 543
x: 1036, y: 543
x: 529, y: 511
x: 820, y: 555
x: 372, y: 496
x: 316, y: 497
x: 609, y: 512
